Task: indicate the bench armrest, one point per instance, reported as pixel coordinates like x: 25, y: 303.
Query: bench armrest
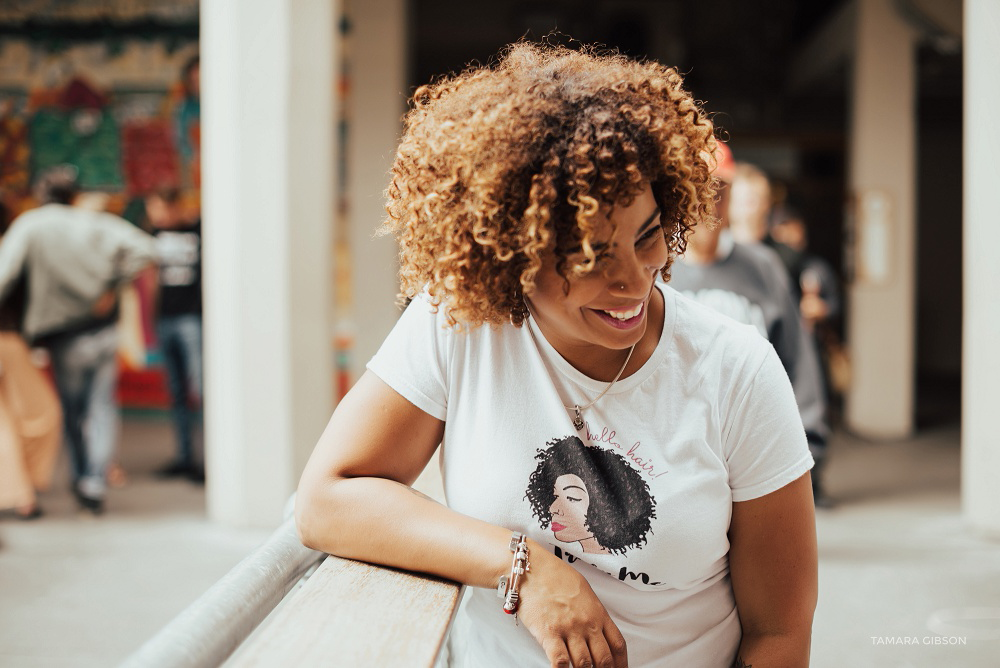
x: 350, y: 613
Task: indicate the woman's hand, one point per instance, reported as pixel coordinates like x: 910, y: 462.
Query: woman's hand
x: 565, y: 616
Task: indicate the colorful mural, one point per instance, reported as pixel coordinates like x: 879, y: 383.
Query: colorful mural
x: 113, y: 89
x: 128, y: 118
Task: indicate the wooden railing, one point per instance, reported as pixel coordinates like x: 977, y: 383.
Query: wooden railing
x: 317, y: 610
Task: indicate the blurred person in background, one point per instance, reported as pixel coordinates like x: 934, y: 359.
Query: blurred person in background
x: 819, y: 297
x: 30, y: 416
x: 747, y: 282
x: 814, y: 277
x: 749, y: 204
x: 178, y: 320
x: 75, y: 260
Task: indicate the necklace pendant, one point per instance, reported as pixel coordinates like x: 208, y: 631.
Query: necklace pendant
x: 577, y: 418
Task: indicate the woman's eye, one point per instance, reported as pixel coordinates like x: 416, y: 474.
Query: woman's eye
x: 649, y: 235
x: 573, y: 498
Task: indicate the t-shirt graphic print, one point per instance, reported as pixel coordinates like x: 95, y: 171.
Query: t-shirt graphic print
x: 590, y: 498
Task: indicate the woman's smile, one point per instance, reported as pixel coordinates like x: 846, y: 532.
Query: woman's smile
x: 623, y: 318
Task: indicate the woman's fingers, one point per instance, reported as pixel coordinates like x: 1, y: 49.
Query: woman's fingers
x: 604, y: 648
x: 616, y: 645
x: 579, y: 652
x: 601, y: 653
x: 555, y: 649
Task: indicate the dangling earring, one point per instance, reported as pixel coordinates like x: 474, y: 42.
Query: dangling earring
x: 520, y: 311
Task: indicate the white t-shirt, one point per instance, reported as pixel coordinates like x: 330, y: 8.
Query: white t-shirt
x: 708, y: 420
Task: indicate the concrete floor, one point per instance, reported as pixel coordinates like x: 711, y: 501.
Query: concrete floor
x: 897, y: 563
x: 84, y: 591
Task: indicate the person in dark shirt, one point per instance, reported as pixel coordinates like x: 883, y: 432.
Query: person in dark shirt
x: 178, y: 327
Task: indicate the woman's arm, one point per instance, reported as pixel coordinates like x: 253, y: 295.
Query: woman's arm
x: 354, y: 498
x: 772, y: 561
x: 354, y: 501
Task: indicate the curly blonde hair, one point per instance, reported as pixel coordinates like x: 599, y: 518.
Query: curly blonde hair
x: 501, y: 168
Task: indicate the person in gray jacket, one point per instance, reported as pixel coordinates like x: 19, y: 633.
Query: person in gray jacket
x: 75, y: 261
x: 748, y: 282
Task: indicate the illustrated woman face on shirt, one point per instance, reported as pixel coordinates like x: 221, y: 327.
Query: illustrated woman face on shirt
x: 569, y: 513
x: 590, y: 496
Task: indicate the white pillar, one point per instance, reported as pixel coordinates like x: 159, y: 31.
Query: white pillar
x: 981, y: 307
x: 377, y: 101
x: 267, y: 127
x: 882, y: 177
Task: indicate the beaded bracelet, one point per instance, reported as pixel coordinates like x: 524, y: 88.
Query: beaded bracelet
x: 509, y: 587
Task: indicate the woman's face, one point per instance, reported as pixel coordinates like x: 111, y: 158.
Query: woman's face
x: 569, y: 510
x: 608, y: 307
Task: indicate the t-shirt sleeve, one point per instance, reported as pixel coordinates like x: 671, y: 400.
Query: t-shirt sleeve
x: 413, y: 359
x: 132, y: 249
x: 765, y: 442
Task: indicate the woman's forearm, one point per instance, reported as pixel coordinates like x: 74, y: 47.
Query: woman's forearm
x: 385, y: 522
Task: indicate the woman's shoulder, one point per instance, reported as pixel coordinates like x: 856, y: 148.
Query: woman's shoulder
x: 701, y: 330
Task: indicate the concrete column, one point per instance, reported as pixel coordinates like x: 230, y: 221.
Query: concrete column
x: 882, y: 177
x: 267, y: 127
x: 981, y: 328
x: 377, y: 101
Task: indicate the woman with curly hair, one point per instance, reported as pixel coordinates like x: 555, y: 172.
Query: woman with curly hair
x: 538, y: 204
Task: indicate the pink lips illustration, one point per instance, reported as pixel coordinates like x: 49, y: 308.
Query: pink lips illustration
x: 557, y: 527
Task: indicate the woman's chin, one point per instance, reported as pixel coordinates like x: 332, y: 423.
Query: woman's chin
x: 564, y: 536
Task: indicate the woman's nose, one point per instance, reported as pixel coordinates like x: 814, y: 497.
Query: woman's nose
x: 631, y: 278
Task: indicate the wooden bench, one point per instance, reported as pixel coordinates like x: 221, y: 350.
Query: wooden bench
x: 287, y: 605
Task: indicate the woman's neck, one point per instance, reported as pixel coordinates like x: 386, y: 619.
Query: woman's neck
x: 591, y: 546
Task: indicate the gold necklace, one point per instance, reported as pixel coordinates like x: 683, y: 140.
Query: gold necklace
x: 577, y: 408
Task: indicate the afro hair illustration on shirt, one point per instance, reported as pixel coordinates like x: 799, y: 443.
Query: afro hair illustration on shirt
x: 621, y: 508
